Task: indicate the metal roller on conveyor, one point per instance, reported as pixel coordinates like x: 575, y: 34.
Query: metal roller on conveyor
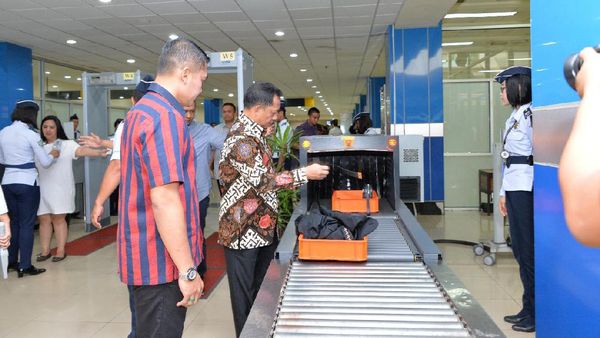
x: 403, y: 290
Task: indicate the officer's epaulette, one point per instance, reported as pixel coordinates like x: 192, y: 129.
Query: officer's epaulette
x: 527, y: 113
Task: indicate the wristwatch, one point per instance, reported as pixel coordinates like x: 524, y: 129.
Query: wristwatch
x: 189, y: 275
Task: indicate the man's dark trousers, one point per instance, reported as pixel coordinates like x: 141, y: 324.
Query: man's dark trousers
x: 156, y: 312
x: 245, y: 272
x: 203, y: 210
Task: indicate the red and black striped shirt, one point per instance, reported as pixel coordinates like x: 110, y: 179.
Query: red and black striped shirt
x: 156, y: 149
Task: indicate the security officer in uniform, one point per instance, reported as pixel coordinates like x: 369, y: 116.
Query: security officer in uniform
x: 516, y: 194
x: 20, y: 145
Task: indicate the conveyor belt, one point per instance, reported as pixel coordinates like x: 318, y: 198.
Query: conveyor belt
x: 387, y: 244
x: 383, y: 299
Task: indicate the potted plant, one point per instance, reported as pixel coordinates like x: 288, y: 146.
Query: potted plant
x: 281, y: 142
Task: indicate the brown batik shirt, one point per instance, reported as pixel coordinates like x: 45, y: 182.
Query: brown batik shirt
x: 249, y: 206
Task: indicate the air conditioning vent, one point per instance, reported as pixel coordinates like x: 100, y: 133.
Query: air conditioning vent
x: 410, y: 155
x: 410, y: 189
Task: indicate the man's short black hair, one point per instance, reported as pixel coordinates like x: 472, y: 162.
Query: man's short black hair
x: 178, y: 52
x: 313, y: 110
x: 261, y: 94
x: 230, y: 104
x: 73, y: 117
x: 518, y: 90
x: 334, y: 123
x: 282, y: 109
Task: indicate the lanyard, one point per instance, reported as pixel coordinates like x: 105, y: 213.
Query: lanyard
x: 526, y: 113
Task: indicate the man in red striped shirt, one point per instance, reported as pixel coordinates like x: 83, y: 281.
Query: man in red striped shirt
x: 159, y: 239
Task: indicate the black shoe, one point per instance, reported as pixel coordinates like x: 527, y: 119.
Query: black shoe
x: 525, y: 326
x: 32, y: 270
x: 515, y: 319
x: 13, y: 266
x: 41, y: 258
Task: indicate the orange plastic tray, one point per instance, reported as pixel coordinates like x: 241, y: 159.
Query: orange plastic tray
x: 332, y: 250
x: 353, y: 201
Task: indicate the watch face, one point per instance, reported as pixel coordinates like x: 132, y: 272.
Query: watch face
x: 191, y: 274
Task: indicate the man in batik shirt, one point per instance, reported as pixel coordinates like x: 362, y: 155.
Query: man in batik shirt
x: 248, y: 214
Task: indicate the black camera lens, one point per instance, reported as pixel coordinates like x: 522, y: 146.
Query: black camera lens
x: 572, y: 66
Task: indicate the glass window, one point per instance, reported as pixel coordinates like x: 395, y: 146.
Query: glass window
x: 485, y: 53
x: 62, y: 83
x: 35, y: 71
x: 467, y: 117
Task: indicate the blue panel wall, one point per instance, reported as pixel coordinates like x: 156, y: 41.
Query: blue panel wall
x: 362, y: 104
x: 395, y: 76
x: 436, y: 97
x: 416, y: 75
x: 212, y: 110
x: 414, y: 80
x: 437, y: 169
x: 567, y: 273
x: 374, y: 85
x: 16, y: 80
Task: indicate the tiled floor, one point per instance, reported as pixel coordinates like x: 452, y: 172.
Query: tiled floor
x: 82, y: 297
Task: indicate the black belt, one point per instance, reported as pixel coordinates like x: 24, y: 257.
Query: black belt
x: 519, y: 160
x: 30, y: 165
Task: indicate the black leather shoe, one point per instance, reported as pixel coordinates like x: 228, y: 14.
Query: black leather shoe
x: 32, y: 270
x: 515, y: 319
x: 13, y: 266
x: 525, y: 326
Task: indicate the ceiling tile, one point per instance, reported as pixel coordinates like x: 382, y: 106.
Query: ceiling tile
x: 66, y: 25
x: 311, y: 13
x: 41, y: 14
x: 207, y: 6
x: 352, y: 21
x: 197, y: 27
x: 127, y: 11
x: 312, y: 32
x: 353, y: 31
x: 19, y: 4
x: 81, y: 13
x: 366, y: 10
x: 193, y: 17
x: 321, y: 22
x: 385, y: 19
x: 228, y: 26
x: 226, y: 16
x: 295, y: 4
x: 174, y: 7
x: 345, y: 3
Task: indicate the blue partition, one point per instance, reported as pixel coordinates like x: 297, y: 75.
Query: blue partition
x: 414, y: 82
x: 212, y: 110
x: 567, y: 273
x: 16, y: 80
x: 374, y: 85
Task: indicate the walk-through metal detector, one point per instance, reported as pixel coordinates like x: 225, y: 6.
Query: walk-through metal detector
x: 238, y: 62
x: 96, y: 105
x: 96, y: 102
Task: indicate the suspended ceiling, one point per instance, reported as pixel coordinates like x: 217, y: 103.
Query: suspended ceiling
x: 337, y: 41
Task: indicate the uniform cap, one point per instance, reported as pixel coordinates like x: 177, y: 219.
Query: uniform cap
x: 508, y: 72
x: 142, y: 87
x: 24, y: 104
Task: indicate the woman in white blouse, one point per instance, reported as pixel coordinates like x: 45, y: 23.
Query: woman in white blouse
x: 57, y: 187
